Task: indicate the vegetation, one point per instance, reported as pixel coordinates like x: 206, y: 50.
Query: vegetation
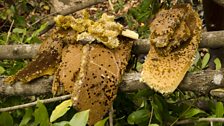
x: 22, y: 21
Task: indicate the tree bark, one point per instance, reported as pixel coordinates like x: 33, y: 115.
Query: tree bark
x: 201, y: 82
x: 209, y: 40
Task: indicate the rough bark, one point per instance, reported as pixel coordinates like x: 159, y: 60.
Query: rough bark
x: 213, y: 39
x: 209, y: 39
x: 36, y: 87
x: 23, y: 51
x: 201, y: 82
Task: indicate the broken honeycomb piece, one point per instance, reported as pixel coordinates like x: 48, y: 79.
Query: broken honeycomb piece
x: 164, y: 73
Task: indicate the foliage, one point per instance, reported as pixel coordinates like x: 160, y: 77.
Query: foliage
x: 141, y: 108
x: 138, y: 17
x: 41, y: 115
x: 6, y: 119
x: 102, y: 122
x: 22, y: 22
x: 200, y: 62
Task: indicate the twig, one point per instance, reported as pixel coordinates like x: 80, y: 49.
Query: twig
x: 180, y: 116
x: 191, y: 121
x: 111, y: 116
x: 41, y: 18
x: 211, y: 120
x: 184, y: 122
x: 9, y: 32
x: 111, y: 5
x: 60, y: 98
x: 150, y: 119
x: 3, y: 24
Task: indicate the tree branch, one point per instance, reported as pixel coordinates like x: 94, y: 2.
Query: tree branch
x: 60, y: 98
x: 203, y: 82
x: 211, y: 120
x: 36, y: 87
x: 213, y: 39
x: 191, y: 121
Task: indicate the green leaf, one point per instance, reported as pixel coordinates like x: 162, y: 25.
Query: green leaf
x: 101, y: 122
x: 27, y: 117
x: 35, y: 39
x: 160, y: 108
x: 37, y: 32
x: 80, y: 118
x: 205, y: 60
x: 60, y: 110
x: 2, y: 70
x: 42, y: 27
x: 218, y: 64
x: 6, y: 119
x: 19, y: 30
x: 192, y: 112
x: 62, y: 123
x: 153, y: 124
x: 157, y: 112
x: 139, y: 66
x: 138, y: 116
x: 41, y: 115
x: 18, y: 37
x: 219, y: 109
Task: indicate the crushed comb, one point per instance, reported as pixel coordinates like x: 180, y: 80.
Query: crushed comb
x: 45, y: 63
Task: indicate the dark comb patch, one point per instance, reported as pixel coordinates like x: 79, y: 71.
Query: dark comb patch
x: 122, y: 53
x: 44, y: 64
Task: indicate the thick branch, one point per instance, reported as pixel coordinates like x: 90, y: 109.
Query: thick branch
x: 209, y: 39
x: 36, y: 87
x: 23, y: 51
x: 212, y: 39
x: 192, y: 122
x: 201, y: 82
